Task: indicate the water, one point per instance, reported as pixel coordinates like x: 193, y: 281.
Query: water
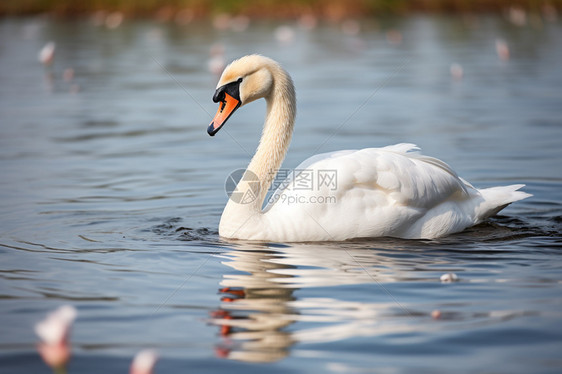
x: 111, y: 193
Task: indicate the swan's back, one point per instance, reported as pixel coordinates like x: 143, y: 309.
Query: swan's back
x: 391, y: 191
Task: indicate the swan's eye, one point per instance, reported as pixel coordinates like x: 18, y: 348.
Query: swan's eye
x: 239, y: 80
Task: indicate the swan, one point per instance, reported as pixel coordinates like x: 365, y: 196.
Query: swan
x: 393, y: 191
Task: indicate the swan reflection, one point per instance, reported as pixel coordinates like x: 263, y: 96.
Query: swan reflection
x: 260, y: 317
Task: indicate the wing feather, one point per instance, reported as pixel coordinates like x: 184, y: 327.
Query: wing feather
x: 392, y: 191
x: 404, y: 175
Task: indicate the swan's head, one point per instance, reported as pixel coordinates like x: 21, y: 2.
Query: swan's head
x: 243, y: 81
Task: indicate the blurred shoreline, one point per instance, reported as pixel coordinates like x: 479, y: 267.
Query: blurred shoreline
x: 289, y: 9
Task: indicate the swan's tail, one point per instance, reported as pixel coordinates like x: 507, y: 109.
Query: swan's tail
x: 497, y: 198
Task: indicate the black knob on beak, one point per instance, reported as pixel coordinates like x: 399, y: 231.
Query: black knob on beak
x: 219, y: 95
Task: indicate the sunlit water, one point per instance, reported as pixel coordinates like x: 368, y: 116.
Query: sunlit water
x: 111, y: 192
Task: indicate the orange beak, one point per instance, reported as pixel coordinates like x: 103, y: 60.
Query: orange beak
x: 226, y: 107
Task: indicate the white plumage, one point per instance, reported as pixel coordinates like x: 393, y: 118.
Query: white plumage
x: 392, y: 191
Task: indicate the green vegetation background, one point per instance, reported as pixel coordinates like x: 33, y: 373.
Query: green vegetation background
x: 269, y: 8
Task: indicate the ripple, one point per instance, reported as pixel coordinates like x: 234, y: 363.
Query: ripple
x: 172, y: 228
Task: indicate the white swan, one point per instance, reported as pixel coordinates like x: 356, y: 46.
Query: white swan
x: 392, y: 191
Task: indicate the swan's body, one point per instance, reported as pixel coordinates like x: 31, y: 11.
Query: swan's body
x: 374, y: 192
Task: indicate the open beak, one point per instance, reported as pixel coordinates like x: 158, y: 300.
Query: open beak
x: 227, y: 106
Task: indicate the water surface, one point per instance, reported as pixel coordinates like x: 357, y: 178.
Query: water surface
x: 111, y: 192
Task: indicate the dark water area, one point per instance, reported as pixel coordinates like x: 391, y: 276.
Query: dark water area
x: 111, y: 192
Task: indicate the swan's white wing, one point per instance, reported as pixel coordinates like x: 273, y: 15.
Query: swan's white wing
x: 400, y: 171
x: 378, y: 192
x: 283, y: 186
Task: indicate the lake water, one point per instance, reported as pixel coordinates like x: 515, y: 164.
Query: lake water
x: 111, y: 193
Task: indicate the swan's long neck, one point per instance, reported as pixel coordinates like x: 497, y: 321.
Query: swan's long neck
x: 276, y: 135
x: 273, y: 146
